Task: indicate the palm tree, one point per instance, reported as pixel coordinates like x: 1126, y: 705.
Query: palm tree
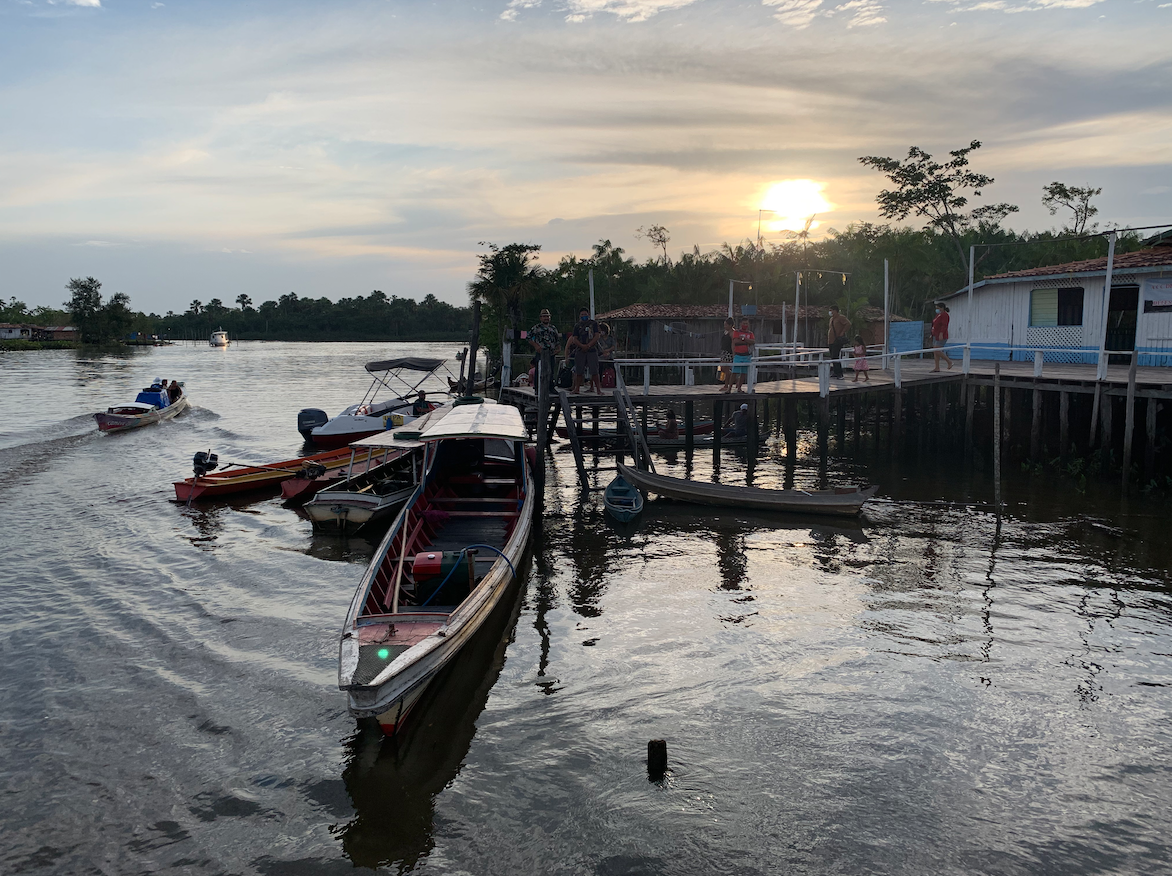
x: 243, y: 301
x: 196, y: 307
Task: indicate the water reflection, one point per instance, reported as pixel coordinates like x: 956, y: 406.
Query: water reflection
x: 393, y: 783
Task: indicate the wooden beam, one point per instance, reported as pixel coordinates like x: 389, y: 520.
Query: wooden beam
x: 1063, y: 425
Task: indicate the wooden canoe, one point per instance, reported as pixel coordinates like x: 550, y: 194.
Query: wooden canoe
x: 259, y: 477
x: 843, y: 501
x: 622, y: 501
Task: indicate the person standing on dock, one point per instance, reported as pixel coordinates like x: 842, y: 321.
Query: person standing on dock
x: 861, y: 365
x: 940, y: 336
x: 583, y: 344
x: 544, y: 337
x: 836, y: 336
x: 742, y: 341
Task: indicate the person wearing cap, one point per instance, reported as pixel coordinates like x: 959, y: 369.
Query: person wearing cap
x: 738, y: 424
x: 544, y: 337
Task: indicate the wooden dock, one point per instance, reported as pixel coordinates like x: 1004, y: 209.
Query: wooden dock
x: 1063, y: 411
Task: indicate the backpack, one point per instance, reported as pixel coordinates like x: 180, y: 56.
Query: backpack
x: 565, y: 376
x: 607, y: 379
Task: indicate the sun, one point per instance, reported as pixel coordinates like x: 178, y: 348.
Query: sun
x: 792, y: 202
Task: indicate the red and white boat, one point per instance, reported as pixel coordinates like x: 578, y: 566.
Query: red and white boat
x: 370, y: 415
x: 153, y: 405
x: 445, y: 563
x: 242, y: 479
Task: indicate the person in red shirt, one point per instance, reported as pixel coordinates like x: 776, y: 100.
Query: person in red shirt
x: 743, y: 342
x: 940, y: 336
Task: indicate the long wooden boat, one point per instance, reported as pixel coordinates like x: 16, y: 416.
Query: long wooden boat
x: 843, y: 501
x: 444, y: 564
x: 257, y: 477
x: 153, y: 405
x: 371, y: 493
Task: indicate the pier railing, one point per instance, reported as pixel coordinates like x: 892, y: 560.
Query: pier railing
x: 817, y: 361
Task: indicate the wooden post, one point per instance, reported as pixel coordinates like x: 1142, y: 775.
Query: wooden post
x: 751, y: 438
x: 840, y: 426
x: 1152, y: 405
x: 543, y: 366
x: 970, y: 403
x: 717, y: 431
x: 997, y: 436
x: 689, y: 427
x: 1007, y: 417
x: 1095, y: 415
x: 896, y: 419
x: 823, y: 428
x: 765, y: 414
x: 1107, y: 410
x: 1129, y: 420
x: 575, y: 444
x: 857, y: 416
x: 1036, y: 426
x: 790, y: 427
x: 1063, y: 424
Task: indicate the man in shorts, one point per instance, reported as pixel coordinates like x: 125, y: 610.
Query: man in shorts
x: 583, y: 344
x: 544, y: 337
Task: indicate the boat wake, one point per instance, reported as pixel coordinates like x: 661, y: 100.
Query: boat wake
x: 82, y: 424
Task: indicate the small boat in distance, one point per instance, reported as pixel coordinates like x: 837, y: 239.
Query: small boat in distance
x: 152, y: 405
x: 445, y: 563
x: 622, y: 501
x: 843, y: 501
x: 219, y: 338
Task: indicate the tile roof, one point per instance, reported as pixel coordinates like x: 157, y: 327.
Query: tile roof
x: 1158, y: 257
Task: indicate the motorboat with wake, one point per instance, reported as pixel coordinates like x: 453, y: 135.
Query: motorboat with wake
x: 152, y: 405
x: 370, y: 415
x: 371, y: 493
x: 445, y: 563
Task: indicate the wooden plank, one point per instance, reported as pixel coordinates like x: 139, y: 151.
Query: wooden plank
x: 575, y: 444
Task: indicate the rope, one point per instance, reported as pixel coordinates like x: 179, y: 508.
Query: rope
x: 463, y: 553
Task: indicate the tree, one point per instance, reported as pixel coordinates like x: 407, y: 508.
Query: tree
x: 195, y: 308
x: 117, y: 315
x: 1073, y: 198
x: 935, y: 192
x: 658, y: 235
x: 505, y: 277
x: 243, y: 302
x: 85, y: 308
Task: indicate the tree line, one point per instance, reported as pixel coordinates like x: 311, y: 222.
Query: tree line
x: 924, y: 263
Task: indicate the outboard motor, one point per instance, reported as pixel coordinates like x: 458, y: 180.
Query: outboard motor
x: 311, y: 471
x: 203, y: 462
x: 309, y: 419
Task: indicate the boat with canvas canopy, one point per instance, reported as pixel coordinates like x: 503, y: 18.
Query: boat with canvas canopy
x: 402, y: 377
x: 842, y: 501
x: 446, y: 561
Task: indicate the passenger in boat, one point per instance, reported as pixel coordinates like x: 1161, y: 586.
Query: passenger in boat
x: 422, y: 405
x: 738, y: 424
x: 671, y: 429
x: 174, y: 391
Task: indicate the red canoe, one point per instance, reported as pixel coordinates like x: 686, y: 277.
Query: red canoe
x: 245, y: 478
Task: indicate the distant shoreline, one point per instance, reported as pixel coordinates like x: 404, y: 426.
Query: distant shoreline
x: 16, y: 346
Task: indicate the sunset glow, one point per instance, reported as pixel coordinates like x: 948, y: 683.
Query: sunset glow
x: 792, y: 202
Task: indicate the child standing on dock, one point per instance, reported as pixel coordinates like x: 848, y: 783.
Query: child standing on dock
x: 861, y: 366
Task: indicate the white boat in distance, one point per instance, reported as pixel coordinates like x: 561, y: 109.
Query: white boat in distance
x: 219, y: 339
x: 370, y: 416
x: 445, y: 563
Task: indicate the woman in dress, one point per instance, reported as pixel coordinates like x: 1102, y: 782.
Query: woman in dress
x: 861, y: 366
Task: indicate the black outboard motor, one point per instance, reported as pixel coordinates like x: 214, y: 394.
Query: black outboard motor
x: 311, y: 471
x: 309, y: 419
x: 203, y: 462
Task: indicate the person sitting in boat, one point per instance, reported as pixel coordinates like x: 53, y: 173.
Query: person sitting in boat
x: 422, y: 405
x: 738, y: 424
x: 671, y: 429
x: 174, y: 391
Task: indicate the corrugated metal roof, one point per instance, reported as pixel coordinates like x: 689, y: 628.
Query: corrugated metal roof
x: 706, y: 311
x: 1160, y: 257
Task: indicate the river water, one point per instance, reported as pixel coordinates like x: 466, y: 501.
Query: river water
x: 930, y: 690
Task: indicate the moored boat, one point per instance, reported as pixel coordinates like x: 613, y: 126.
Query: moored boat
x: 242, y: 478
x: 219, y: 338
x: 152, y: 405
x: 371, y: 493
x: 370, y: 416
x: 622, y: 501
x: 846, y: 501
x: 444, y: 564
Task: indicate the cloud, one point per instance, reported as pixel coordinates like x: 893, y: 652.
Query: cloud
x: 98, y: 243
x: 1016, y: 7
x: 515, y: 6
x: 795, y: 13
x: 91, y: 3
x: 578, y: 11
x: 864, y: 13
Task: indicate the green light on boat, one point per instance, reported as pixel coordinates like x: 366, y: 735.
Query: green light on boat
x: 383, y: 653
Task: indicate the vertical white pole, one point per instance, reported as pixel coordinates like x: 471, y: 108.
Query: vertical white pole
x: 507, y: 364
x: 797, y: 304
x: 592, y: 293
x: 969, y: 320
x: 783, y: 350
x: 1101, y: 373
x: 730, y: 298
x: 886, y: 313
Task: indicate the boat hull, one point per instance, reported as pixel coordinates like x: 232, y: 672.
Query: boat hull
x: 829, y: 502
x: 124, y: 422
x: 242, y: 480
x: 348, y: 512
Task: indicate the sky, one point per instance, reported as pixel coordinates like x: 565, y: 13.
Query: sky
x: 182, y: 150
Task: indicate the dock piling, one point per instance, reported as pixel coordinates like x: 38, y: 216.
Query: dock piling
x: 1129, y: 421
x: 997, y: 436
